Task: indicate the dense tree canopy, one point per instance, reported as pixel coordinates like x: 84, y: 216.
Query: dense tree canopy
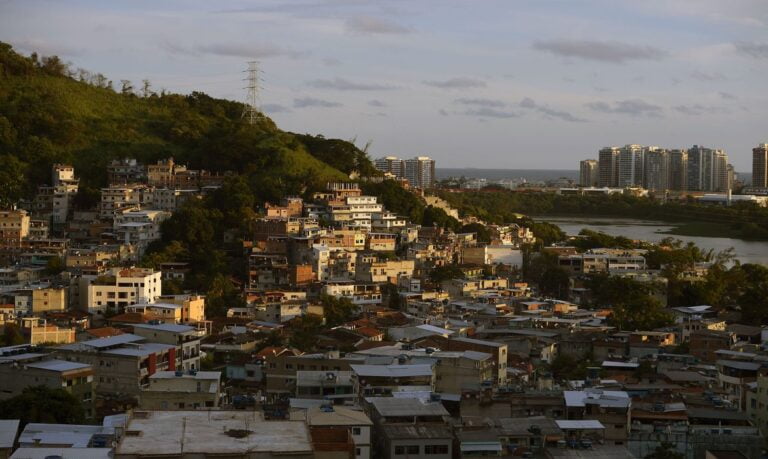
x: 50, y: 113
x: 43, y: 404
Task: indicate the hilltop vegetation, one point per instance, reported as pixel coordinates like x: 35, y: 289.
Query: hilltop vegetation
x: 50, y: 113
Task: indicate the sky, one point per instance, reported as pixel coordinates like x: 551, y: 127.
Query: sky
x: 473, y: 83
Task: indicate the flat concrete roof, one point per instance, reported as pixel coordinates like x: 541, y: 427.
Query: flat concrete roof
x: 58, y: 365
x: 202, y: 432
x: 64, y: 453
x: 9, y: 428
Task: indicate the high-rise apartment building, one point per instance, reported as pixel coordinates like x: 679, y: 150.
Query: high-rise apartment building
x: 608, y: 167
x: 419, y: 171
x: 678, y: 169
x: 760, y: 166
x: 656, y: 169
x: 391, y: 164
x: 631, y: 166
x: 707, y: 169
x: 588, y: 173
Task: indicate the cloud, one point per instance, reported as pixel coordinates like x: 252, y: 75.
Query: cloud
x: 727, y: 96
x: 697, y: 109
x: 305, y: 102
x: 275, y: 108
x: 250, y: 50
x: 46, y: 48
x: 705, y: 76
x: 331, y: 61
x: 481, y: 102
x: 457, y: 83
x: 487, y: 112
x: 633, y: 107
x: 602, y: 51
x: 756, y: 50
x: 369, y: 25
x: 342, y: 84
x: 376, y: 103
x: 550, y: 112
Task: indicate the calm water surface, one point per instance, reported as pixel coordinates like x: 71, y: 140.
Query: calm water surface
x: 746, y: 251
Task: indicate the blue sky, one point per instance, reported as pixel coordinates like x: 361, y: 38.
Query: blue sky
x: 478, y: 83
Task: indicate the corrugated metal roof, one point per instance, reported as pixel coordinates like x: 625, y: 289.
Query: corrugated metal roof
x: 394, y: 406
x: 58, y: 365
x: 579, y: 425
x: 112, y: 341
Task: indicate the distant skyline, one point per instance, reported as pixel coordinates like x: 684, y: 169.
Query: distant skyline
x: 487, y: 83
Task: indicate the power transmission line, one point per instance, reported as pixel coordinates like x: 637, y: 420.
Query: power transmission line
x: 251, y: 111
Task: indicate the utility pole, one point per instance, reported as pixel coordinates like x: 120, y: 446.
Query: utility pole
x: 251, y: 111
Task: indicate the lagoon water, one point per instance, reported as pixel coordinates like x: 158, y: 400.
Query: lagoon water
x: 745, y: 251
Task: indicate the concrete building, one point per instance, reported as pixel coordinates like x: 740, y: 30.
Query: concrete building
x: 138, y: 228
x: 49, y: 299
x: 383, y: 380
x: 199, y: 434
x: 678, y: 170
x: 460, y: 372
x: 657, y: 170
x: 122, y: 364
x: 125, y: 171
x: 588, y: 173
x: 420, y: 171
x: 631, y: 168
x: 610, y: 408
x: 608, y: 167
x: 707, y: 169
x: 14, y: 226
x: 281, y: 369
x: 9, y: 430
x: 172, y: 390
x: 119, y: 288
x: 391, y: 164
x: 335, y: 385
x: 760, y: 166
x: 383, y: 271
x: 356, y: 422
x: 24, y: 366
x: 185, y: 338
x: 410, y: 427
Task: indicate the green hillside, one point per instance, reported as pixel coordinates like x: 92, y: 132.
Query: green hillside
x: 50, y: 113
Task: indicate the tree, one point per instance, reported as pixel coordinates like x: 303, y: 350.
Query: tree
x: 43, y: 404
x: 444, y: 273
x: 12, y: 335
x: 304, y: 331
x: 547, y: 233
x: 483, y: 235
x: 54, y: 266
x: 126, y: 87
x: 146, y: 88
x: 337, y: 310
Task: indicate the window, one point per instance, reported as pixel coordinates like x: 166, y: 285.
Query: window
x: 435, y: 449
x: 357, y: 451
x: 355, y: 430
x: 412, y: 449
x: 399, y: 450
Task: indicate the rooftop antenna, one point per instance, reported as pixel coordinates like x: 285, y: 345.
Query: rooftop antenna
x: 251, y: 111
